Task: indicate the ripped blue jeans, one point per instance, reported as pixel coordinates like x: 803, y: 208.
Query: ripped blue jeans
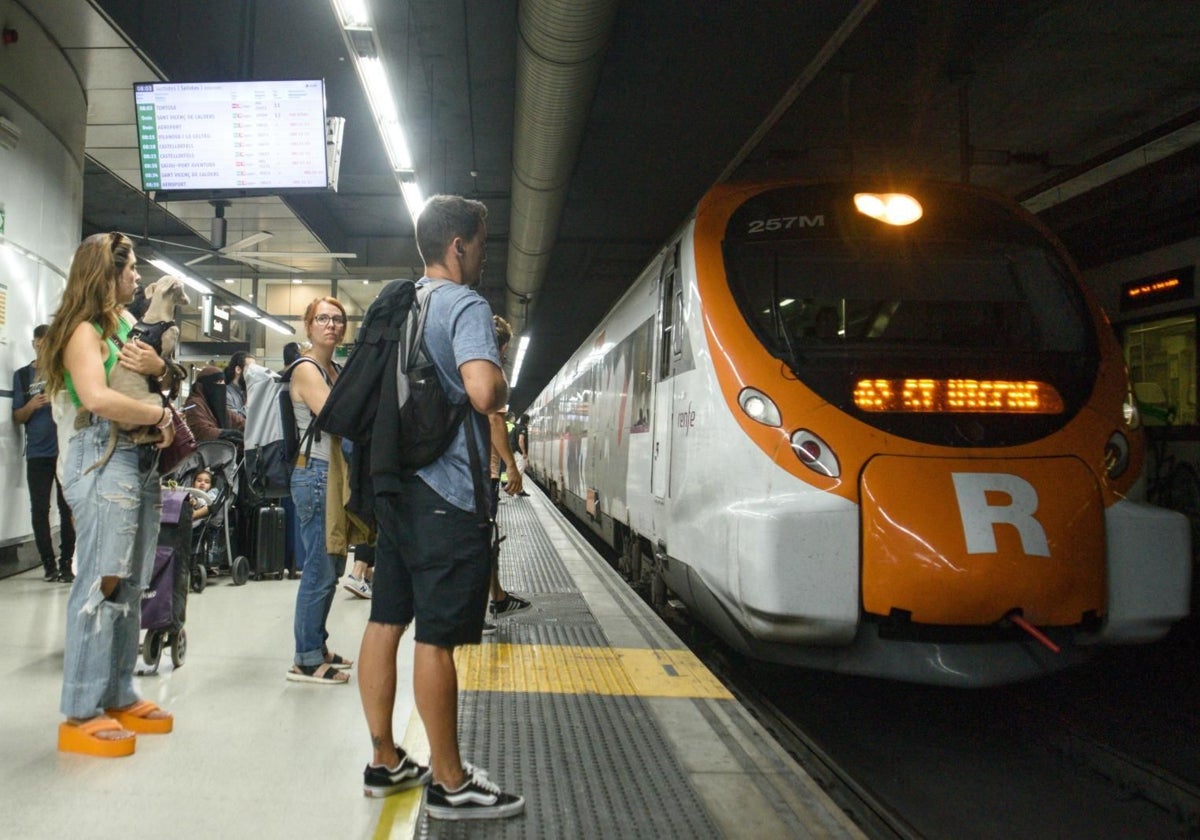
x: 116, y: 510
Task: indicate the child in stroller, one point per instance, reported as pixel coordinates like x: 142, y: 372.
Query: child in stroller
x: 211, y: 473
x: 205, y: 514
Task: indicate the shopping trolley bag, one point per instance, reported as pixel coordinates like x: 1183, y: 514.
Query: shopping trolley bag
x: 158, y: 598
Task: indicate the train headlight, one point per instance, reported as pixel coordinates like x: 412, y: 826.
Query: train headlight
x: 759, y: 407
x: 1116, y: 455
x: 1133, y: 417
x: 890, y: 208
x: 815, y: 454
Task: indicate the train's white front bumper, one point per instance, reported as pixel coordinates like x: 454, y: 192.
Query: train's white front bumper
x: 1149, y: 572
x: 797, y: 567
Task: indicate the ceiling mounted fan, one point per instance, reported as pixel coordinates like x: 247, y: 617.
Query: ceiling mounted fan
x: 240, y: 251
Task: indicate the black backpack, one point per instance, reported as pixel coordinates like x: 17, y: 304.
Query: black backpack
x: 395, y: 321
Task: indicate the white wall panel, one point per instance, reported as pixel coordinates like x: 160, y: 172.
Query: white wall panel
x: 41, y: 188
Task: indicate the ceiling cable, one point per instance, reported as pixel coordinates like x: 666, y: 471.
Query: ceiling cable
x: 470, y: 98
x: 839, y: 37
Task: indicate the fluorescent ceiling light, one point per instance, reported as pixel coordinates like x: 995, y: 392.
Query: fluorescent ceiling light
x: 363, y: 45
x: 247, y: 310
x: 277, y: 326
x: 413, y: 199
x: 379, y: 94
x: 167, y: 267
x: 352, y: 14
x: 522, y: 346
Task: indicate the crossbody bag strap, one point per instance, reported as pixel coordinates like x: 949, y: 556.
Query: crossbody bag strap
x: 481, y: 505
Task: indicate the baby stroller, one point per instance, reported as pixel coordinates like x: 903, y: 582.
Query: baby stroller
x: 211, y: 535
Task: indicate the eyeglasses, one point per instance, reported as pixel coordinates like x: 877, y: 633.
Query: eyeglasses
x: 325, y: 320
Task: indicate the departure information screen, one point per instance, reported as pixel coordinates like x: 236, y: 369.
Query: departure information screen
x: 261, y: 135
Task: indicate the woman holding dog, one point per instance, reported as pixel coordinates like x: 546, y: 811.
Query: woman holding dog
x: 116, y: 506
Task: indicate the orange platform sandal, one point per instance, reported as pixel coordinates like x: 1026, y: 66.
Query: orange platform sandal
x: 138, y: 718
x: 85, y: 738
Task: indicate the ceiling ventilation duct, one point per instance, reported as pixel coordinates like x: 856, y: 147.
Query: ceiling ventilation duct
x: 560, y: 49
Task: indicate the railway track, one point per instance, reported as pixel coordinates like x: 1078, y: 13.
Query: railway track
x: 1075, y: 754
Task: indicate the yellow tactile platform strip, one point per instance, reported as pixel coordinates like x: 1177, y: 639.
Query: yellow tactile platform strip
x: 556, y: 714
x: 571, y: 669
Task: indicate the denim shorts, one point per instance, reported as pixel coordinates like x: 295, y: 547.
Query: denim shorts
x: 432, y: 564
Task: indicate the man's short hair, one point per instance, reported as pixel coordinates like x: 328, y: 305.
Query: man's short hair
x: 40, y: 330
x: 443, y: 218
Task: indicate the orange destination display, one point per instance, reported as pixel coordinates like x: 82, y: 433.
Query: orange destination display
x: 957, y: 395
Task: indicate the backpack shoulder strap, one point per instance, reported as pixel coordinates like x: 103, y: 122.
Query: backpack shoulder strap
x: 414, y: 350
x: 286, y: 374
x: 311, y: 432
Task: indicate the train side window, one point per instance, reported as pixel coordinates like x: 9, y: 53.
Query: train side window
x: 671, y: 303
x: 1161, y: 356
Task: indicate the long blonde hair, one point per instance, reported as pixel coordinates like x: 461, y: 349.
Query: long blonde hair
x: 90, y: 296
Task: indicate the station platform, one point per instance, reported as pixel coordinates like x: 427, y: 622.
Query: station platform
x: 586, y: 704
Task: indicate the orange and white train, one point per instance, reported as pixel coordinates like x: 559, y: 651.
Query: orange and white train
x: 875, y: 430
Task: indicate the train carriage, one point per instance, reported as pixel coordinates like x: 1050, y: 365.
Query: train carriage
x: 885, y: 432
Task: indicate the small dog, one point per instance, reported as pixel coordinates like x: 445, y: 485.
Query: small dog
x: 158, y: 329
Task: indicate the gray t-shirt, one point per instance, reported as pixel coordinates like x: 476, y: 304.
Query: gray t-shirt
x: 458, y: 329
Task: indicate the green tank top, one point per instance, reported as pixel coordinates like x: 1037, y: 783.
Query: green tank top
x: 123, y: 328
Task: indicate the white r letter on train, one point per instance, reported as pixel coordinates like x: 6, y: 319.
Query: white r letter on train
x: 979, y: 518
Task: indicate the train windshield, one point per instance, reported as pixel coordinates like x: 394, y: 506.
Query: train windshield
x: 971, y: 291
x: 960, y: 296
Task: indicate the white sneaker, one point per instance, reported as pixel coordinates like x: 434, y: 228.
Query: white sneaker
x: 356, y: 587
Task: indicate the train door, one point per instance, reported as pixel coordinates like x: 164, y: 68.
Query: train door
x: 670, y: 348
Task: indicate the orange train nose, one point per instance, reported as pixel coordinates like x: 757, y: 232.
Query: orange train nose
x: 982, y: 538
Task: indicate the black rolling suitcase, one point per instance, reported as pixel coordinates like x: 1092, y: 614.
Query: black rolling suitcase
x: 270, y: 541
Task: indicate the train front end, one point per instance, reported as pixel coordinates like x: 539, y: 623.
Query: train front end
x: 953, y: 418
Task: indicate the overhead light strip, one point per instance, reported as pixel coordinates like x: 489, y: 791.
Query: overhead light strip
x: 522, y: 347
x: 190, y: 280
x: 362, y: 42
x: 169, y: 266
x: 352, y: 14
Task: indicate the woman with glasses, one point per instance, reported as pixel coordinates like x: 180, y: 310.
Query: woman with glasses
x: 325, y: 322
x: 116, y: 506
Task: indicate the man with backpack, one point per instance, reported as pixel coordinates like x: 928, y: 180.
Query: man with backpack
x: 432, y: 561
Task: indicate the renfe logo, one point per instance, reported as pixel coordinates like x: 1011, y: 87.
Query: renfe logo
x: 979, y: 518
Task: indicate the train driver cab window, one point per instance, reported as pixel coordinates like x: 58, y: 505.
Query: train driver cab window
x: 1161, y: 356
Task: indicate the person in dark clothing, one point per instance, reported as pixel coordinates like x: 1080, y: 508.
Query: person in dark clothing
x: 291, y: 352
x: 519, y: 443
x: 31, y: 408
x: 207, y: 414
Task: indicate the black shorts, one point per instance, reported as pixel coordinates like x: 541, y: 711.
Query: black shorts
x: 432, y: 564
